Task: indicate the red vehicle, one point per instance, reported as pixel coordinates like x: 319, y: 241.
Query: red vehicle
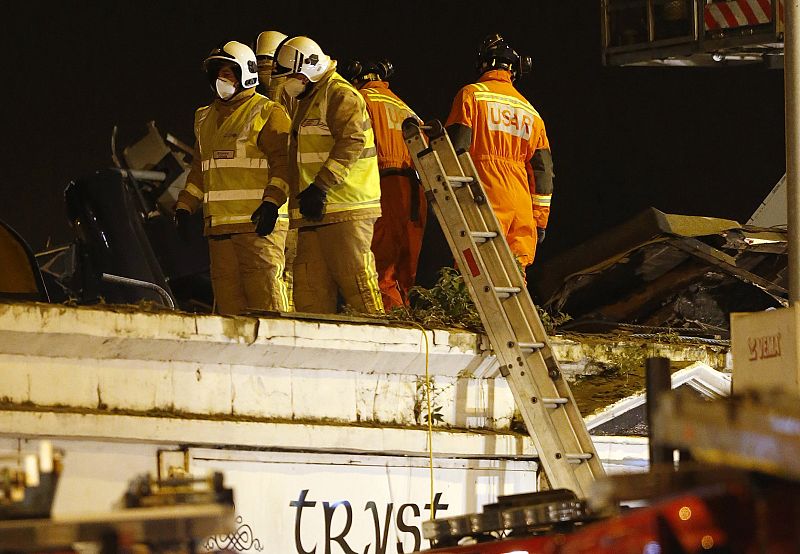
x: 740, y: 512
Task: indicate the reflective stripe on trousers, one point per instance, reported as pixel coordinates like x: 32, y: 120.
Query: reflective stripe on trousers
x: 336, y: 258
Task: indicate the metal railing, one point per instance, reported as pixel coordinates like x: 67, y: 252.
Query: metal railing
x: 137, y: 283
x: 679, y: 27
x: 648, y: 22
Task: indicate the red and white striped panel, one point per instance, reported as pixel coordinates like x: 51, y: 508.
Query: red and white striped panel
x: 737, y: 13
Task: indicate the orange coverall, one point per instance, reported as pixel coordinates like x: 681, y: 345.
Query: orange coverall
x: 397, y: 238
x: 512, y: 156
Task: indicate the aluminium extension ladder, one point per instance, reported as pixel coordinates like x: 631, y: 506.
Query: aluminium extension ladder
x: 518, y: 339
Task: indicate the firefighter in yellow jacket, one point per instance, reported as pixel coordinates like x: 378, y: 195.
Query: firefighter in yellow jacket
x: 335, y: 184
x: 266, y: 44
x: 240, y: 158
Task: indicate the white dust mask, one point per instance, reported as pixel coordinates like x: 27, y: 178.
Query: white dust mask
x: 225, y: 89
x: 294, y: 87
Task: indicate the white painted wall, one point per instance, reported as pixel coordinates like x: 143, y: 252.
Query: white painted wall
x: 373, y: 503
x: 393, y: 489
x: 281, y: 406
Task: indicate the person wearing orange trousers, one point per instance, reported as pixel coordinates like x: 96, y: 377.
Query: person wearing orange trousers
x: 507, y: 141
x: 397, y: 237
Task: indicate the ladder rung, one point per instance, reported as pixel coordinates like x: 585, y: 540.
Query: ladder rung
x: 505, y: 292
x: 567, y: 455
x: 531, y: 346
x: 554, y: 402
x: 578, y: 458
x: 482, y: 236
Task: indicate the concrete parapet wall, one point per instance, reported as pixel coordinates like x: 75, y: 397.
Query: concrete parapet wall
x: 104, y: 361
x: 97, y: 368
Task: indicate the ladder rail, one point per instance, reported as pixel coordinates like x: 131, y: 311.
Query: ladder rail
x: 527, y: 319
x: 565, y: 449
x: 491, y: 311
x: 480, y: 217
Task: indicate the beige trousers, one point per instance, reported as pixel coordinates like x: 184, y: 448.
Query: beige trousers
x: 247, y: 271
x: 336, y: 258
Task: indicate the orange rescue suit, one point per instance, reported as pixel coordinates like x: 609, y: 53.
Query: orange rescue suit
x: 397, y: 238
x: 512, y: 156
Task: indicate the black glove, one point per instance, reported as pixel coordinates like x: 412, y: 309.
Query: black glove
x: 312, y: 202
x: 183, y: 221
x: 539, y: 236
x: 265, y: 218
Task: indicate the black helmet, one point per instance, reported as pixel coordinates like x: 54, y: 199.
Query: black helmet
x: 495, y: 53
x: 355, y: 71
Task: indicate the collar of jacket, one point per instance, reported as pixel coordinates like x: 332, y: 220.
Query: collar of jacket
x: 375, y: 85
x: 496, y: 75
x: 237, y: 100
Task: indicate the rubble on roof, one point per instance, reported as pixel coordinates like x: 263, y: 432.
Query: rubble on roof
x: 665, y: 273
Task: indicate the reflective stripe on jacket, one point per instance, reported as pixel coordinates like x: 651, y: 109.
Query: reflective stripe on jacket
x: 387, y: 112
x: 334, y: 146
x: 507, y: 131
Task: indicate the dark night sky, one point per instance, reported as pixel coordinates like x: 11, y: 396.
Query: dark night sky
x: 702, y: 142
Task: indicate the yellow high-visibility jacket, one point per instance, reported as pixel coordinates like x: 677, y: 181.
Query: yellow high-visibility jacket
x: 332, y: 145
x: 240, y: 158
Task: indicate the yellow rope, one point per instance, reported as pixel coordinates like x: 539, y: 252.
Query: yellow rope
x: 430, y: 415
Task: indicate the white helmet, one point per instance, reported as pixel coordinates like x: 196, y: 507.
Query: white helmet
x: 301, y: 55
x: 267, y: 42
x: 241, y: 56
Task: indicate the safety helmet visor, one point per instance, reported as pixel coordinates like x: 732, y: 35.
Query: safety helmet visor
x: 279, y: 70
x: 301, y: 55
x: 213, y: 66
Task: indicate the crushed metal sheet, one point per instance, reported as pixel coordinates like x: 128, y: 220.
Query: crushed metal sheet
x: 684, y: 273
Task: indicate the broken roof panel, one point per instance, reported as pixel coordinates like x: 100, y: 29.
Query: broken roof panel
x: 666, y: 272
